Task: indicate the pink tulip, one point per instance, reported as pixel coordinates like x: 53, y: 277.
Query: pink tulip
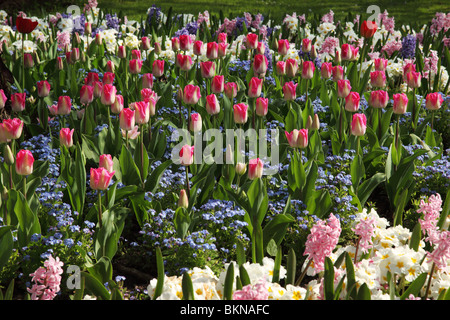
x: 230, y: 89
x: 255, y: 168
x: 43, y: 88
x: 191, y: 94
x: 24, y: 162
x: 355, y: 51
x: 135, y: 66
x: 222, y: 37
x: 326, y: 70
x: 108, y: 94
x: 255, y: 87
x: 338, y: 73
x: 283, y: 47
x: 151, y: 105
x: 136, y: 55
x: 18, y: 101
x: 110, y: 67
x: 127, y: 119
x: 343, y: 87
x: 59, y: 63
x: 308, y: 69
x: 98, y: 87
x: 291, y: 67
x: 251, y: 41
x: 408, y: 68
x: 187, y: 155
x: 297, y: 138
x: 185, y: 42
x: 106, y: 162
x: 260, y: 64
x: 352, y: 101
x: 13, y: 128
x: 3, y: 99
x: 108, y: 78
x: 198, y: 48
x: 222, y: 49
x: 99, y: 39
x: 346, y: 52
x: 175, y: 44
x: 208, y: 69
x: 100, y: 178
x: 121, y: 52
x: 184, y: 62
x: 359, y: 124
x: 240, y: 113
x: 218, y: 84
x: 262, y: 106
x: 53, y: 110
x: 158, y: 68
x: 290, y: 91
x: 147, y: 80
x: 195, y: 125
x: 261, y: 49
x: 337, y: 57
x: 306, y: 45
x: 64, y: 105
x: 434, y: 101
x: 75, y: 55
x: 29, y: 62
x: 88, y: 27
x: 281, y: 68
x: 379, y: 99
x: 183, y: 201
x: 86, y: 94
x: 212, y: 50
x: 142, y: 112
x: 66, y: 137
x: 117, y: 106
x: 145, y: 43
x: 413, y: 79
x: 378, y: 79
x: 147, y: 93
x: 380, y: 64
x: 212, y: 104
x: 400, y: 103
x: 91, y: 78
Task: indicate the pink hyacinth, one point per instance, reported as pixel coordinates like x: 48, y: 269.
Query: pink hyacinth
x: 258, y: 291
x: 46, y: 280
x: 431, y: 211
x: 322, y: 240
x: 441, y: 252
x: 365, y: 229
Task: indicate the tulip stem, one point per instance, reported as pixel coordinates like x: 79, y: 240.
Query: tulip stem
x: 188, y: 189
x: 24, y: 180
x: 379, y: 123
x: 11, y: 184
x: 429, y: 281
x: 99, y: 208
x: 23, y: 63
x: 432, y: 119
x: 142, y: 155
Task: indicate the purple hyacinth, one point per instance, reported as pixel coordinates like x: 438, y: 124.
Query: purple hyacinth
x: 408, y: 50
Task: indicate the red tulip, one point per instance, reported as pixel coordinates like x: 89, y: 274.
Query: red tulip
x: 91, y: 78
x: 251, y: 41
x: 24, y: 162
x: 380, y: 64
x: 222, y: 37
x: 212, y: 50
x: 260, y: 64
x: 25, y: 25
x: 338, y: 73
x: 145, y: 43
x: 28, y: 60
x: 198, y: 48
x: 368, y: 29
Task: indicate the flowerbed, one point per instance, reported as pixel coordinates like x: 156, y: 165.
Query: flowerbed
x: 203, y: 157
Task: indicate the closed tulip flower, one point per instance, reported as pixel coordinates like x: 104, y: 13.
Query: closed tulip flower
x: 346, y: 52
x: 290, y: 91
x: 98, y: 87
x: 3, y: 99
x: 108, y: 94
x: 198, y: 48
x: 145, y: 43
x: 100, y: 178
x: 306, y: 45
x: 195, y: 125
x: 297, y: 138
x: 251, y: 41
x: 175, y: 44
x: 240, y: 113
x: 433, y: 101
x: 106, y: 162
x: 64, y: 105
x: 191, y: 94
x: 230, y: 89
x: 208, y: 69
x: 408, y: 68
x: 261, y: 49
x: 43, y: 88
x: 127, y: 119
x: 379, y: 99
x: 338, y: 73
x: 28, y: 60
x: 135, y: 66
x: 262, y: 106
x: 13, y: 128
x: 222, y: 37
x: 359, y: 124
x: 108, y: 78
x: 136, y: 54
x: 147, y: 80
x: 368, y: 29
x: 241, y: 168
x: 343, y: 87
x: 66, y: 137
x: 380, y: 64
x: 18, y: 101
x: 183, y: 201
x: 255, y: 168
x: 86, y: 94
x: 326, y: 70
x: 75, y: 54
x: 413, y: 79
x: 308, y: 69
x: 110, y: 67
x: 378, y: 79
x: 218, y: 84
x: 291, y: 67
x: 142, y: 112
x: 184, y: 62
x: 283, y: 47
x: 352, y: 102
x: 222, y: 49
x: 158, y: 68
x: 260, y: 64
x: 121, y: 52
x: 255, y: 87
x: 24, y: 162
x: 187, y: 155
x: 281, y: 68
x: 212, y: 50
x: 212, y: 104
x: 400, y: 103
x: 185, y: 42
x: 117, y: 106
x: 91, y: 78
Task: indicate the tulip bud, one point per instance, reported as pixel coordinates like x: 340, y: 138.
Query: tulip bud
x: 28, y: 60
x: 343, y: 87
x: 262, y: 106
x: 380, y: 64
x: 24, y: 162
x: 359, y: 124
x: 434, y: 101
x: 291, y: 67
x: 230, y: 89
x: 145, y: 43
x: 222, y: 49
x: 75, y: 55
x: 121, y: 52
x: 100, y: 178
x: 413, y: 79
x: 157, y: 47
x: 251, y: 41
x: 297, y: 138
x: 147, y: 80
x: 88, y: 28
x: 106, y: 161
x: 229, y: 156
x: 127, y: 119
x: 290, y: 91
x: 400, y: 103
x: 175, y: 44
x: 309, y: 122
x: 135, y: 66
x: 308, y: 70
x: 108, y: 94
x: 283, y: 47
x: 191, y: 94
x: 18, y: 101
x: 66, y: 137
x: 8, y: 155
x: 208, y: 69
x: 240, y: 113
x: 306, y: 45
x: 241, y: 168
x: 260, y: 64
x: 338, y: 73
x: 187, y: 155
x: 316, y: 123
x: 59, y: 63
x: 346, y: 52
x: 158, y: 68
x: 326, y: 70
x: 352, y: 102
x: 195, y: 125
x: 378, y: 79
x: 212, y: 104
x: 198, y: 48
x: 281, y: 68
x: 255, y: 87
x: 43, y: 88
x: 218, y: 84
x: 212, y: 50
x: 183, y: 201
x: 185, y: 42
x: 255, y: 168
x: 379, y: 99
x: 3, y: 99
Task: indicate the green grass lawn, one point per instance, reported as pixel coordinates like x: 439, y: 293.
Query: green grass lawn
x: 405, y: 11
